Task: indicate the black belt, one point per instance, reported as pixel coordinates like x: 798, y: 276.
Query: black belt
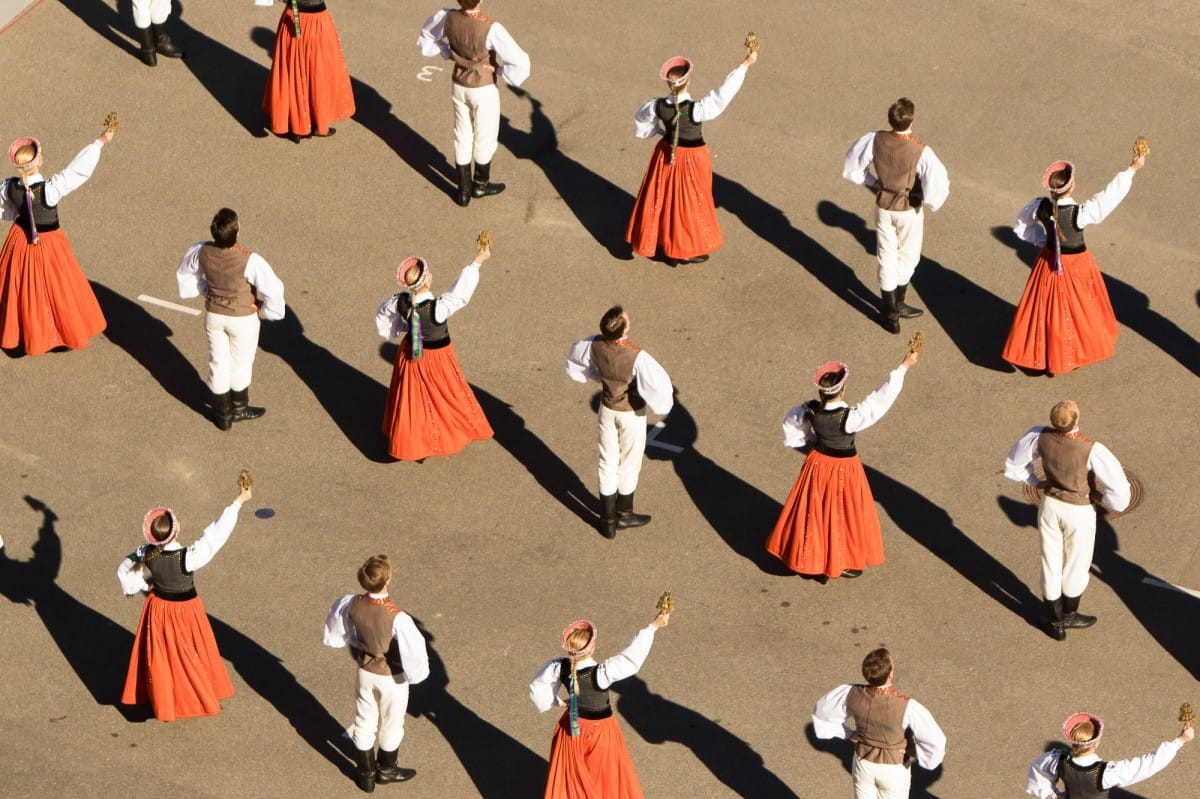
x: 834, y: 453
x: 175, y: 596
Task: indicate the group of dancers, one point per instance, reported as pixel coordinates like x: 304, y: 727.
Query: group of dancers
x: 828, y: 528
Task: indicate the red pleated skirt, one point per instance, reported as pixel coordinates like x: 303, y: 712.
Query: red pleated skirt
x: 309, y: 85
x: 1065, y: 320
x: 45, y: 299
x: 592, y: 765
x: 829, y: 521
x: 674, y: 208
x: 431, y: 409
x: 175, y: 664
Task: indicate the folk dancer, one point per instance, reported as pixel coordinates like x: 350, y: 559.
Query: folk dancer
x: 907, y: 179
x: 309, y: 84
x: 631, y: 380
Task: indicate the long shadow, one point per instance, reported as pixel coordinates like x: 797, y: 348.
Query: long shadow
x: 730, y: 759
x: 266, y: 675
x: 1168, y: 615
x: 738, y: 512
x: 773, y: 226
x: 554, y: 476
x: 106, y: 21
x: 922, y: 779
x: 601, y: 206
x: 234, y: 81
x: 354, y: 401
x: 1131, y: 306
x: 974, y: 319
x: 499, y: 765
x: 95, y: 646
x: 146, y: 339
x: 374, y: 112
x: 931, y: 527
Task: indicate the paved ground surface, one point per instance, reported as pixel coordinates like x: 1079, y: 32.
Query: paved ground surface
x: 496, y: 552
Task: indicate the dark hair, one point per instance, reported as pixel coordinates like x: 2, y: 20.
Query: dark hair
x: 375, y: 573
x: 675, y: 73
x: 900, y: 115
x: 613, y: 323
x: 160, y: 528
x: 877, y: 667
x: 224, y: 228
x: 467, y: 5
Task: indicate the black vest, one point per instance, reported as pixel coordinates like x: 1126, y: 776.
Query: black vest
x: 592, y: 701
x: 830, y: 427
x: 434, y: 335
x: 171, y: 579
x: 310, y: 6
x: 1082, y: 782
x: 46, y: 216
x: 689, y: 129
x: 1072, y: 238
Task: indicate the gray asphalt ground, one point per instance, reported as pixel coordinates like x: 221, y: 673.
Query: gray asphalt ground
x: 495, y: 553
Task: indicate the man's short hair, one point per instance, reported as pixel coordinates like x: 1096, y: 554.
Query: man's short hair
x: 900, y: 115
x: 467, y: 5
x: 224, y: 228
x: 613, y: 324
x: 375, y: 573
x: 1064, y: 416
x: 877, y: 667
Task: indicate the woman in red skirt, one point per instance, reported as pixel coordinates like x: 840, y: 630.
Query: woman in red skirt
x: 829, y: 527
x: 175, y: 664
x: 1064, y: 319
x: 309, y: 84
x: 674, y: 209
x: 431, y: 409
x: 45, y: 298
x: 588, y: 756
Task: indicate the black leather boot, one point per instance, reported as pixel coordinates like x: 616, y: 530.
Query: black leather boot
x: 1055, y: 624
x: 387, y: 770
x: 483, y: 182
x: 148, y: 53
x: 891, y: 314
x: 364, y: 770
x: 241, y: 409
x: 626, y: 518
x: 1072, y: 618
x: 608, y: 515
x: 905, y: 310
x: 222, y: 410
x: 163, y: 44
x: 464, y: 185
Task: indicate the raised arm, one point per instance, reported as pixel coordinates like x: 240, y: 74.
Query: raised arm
x: 214, y: 536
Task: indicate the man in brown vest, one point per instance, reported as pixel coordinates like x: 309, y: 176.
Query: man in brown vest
x: 239, y: 286
x: 1066, y: 518
x: 907, y: 178
x: 890, y: 732
x: 481, y: 49
x: 630, y: 381
x: 391, y: 655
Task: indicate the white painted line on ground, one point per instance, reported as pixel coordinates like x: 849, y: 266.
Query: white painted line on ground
x: 653, y: 434
x: 164, y: 304
x: 1162, y: 584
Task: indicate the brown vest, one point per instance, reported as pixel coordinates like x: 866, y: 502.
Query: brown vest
x: 467, y: 35
x: 377, y: 650
x: 878, y: 724
x: 895, y: 163
x: 229, y: 293
x: 1065, y: 462
x: 614, y: 360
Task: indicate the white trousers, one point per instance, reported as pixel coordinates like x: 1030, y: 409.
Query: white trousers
x: 476, y: 123
x: 232, y: 342
x: 147, y: 12
x: 382, y: 701
x: 1068, y: 540
x: 622, y: 445
x: 880, y: 780
x: 898, y: 236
